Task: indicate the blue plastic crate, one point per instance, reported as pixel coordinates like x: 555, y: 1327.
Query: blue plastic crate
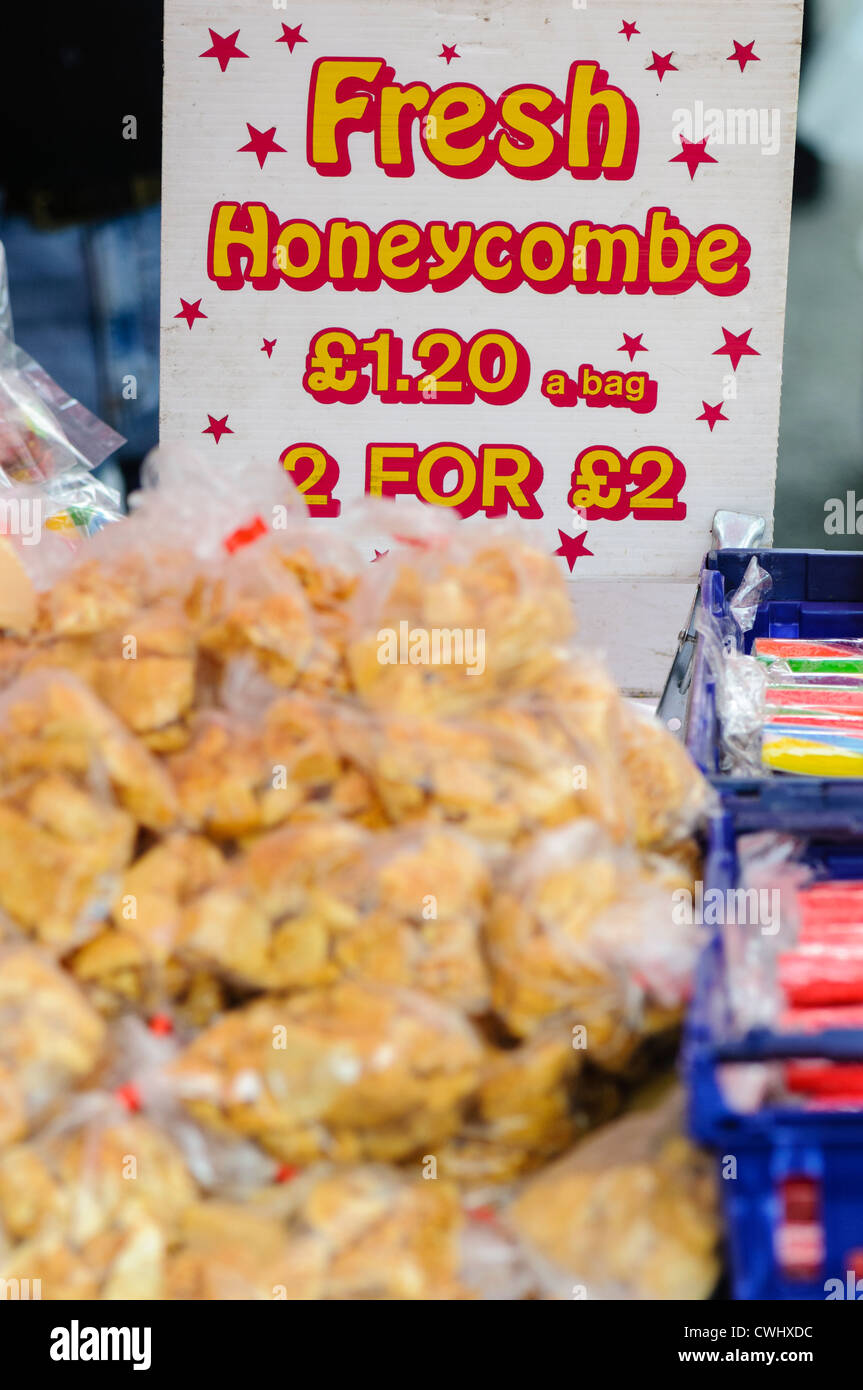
x: 816, y: 594
x: 777, y: 1143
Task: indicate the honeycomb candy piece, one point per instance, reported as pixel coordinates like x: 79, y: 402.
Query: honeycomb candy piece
x: 116, y: 579
x: 328, y: 588
x: 424, y: 894
x: 227, y: 781
x: 387, y: 1235
x: 150, y: 694
x: 327, y: 585
x: 312, y: 903
x: 348, y: 1072
x: 117, y: 972
x: 158, y: 885
x: 64, y: 758
x: 584, y: 928
x: 630, y: 1214
x: 50, y: 1039
x: 235, y: 782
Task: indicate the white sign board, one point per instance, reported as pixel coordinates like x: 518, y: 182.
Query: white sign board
x: 511, y: 258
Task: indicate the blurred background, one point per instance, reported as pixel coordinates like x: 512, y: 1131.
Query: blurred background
x: 79, y: 216
x: 79, y: 204
x: 821, y: 430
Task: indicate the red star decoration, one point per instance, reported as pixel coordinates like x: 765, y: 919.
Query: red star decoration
x: 572, y: 547
x: 629, y: 30
x: 694, y: 152
x: 261, y: 143
x: 217, y: 427
x: 448, y: 52
x: 224, y: 48
x: 736, y: 346
x: 190, y: 312
x: 269, y: 344
x: 632, y: 345
x: 661, y: 64
x: 743, y: 54
x: 378, y: 555
x: 712, y: 413
x: 291, y: 36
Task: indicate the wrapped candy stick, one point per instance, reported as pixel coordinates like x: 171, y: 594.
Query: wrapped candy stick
x: 792, y: 649
x: 821, y: 974
x: 812, y: 751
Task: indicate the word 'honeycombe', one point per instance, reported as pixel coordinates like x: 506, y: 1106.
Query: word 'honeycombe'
x: 458, y: 124
x: 250, y: 245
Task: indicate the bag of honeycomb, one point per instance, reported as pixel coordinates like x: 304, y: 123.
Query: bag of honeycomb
x: 87, y: 1167
x: 455, y: 616
x: 91, y: 1203
x: 364, y: 1232
x: 75, y: 787
x: 502, y: 775
x: 585, y: 929
x: 313, y: 903
x: 669, y: 796
x: 526, y: 1111
x: 238, y: 779
x: 51, y: 1040
x: 631, y: 1213
x: 154, y: 612
x: 348, y: 1072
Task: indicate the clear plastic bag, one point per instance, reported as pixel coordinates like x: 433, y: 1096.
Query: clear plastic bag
x: 74, y: 789
x: 630, y: 1214
x: 132, y: 961
x: 740, y: 683
x: 351, y: 1233
x: 43, y: 431
x: 348, y: 1072
x: 667, y: 795
x: 532, y: 1103
x: 5, y: 306
x: 455, y: 616
x: 583, y: 929
x: 760, y: 921
x: 51, y: 1040
x: 500, y: 774
x: 311, y: 904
